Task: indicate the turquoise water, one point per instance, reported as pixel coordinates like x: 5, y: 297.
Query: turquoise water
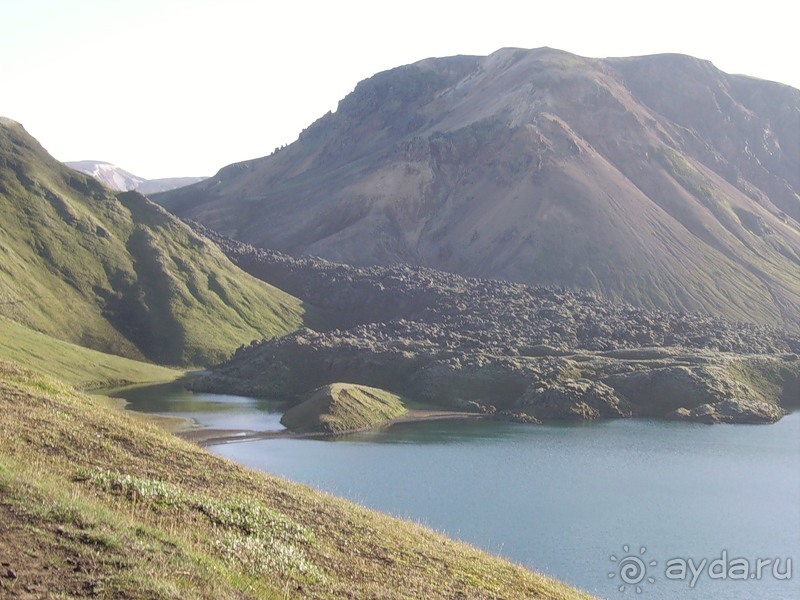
x: 564, y: 499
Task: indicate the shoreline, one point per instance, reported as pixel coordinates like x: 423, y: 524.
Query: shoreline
x: 192, y: 431
x: 208, y: 436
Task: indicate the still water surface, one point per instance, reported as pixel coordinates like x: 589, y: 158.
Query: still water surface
x: 559, y: 498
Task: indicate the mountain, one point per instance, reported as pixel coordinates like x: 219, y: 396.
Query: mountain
x: 119, y: 179
x: 115, y: 272
x: 657, y: 180
x: 109, y: 175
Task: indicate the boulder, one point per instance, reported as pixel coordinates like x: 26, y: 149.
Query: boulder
x: 730, y: 411
x: 576, y: 399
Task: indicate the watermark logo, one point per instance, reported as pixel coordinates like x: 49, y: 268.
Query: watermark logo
x: 632, y: 569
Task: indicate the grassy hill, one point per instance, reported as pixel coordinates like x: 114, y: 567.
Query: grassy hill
x: 114, y: 272
x: 93, y: 502
x: 341, y: 407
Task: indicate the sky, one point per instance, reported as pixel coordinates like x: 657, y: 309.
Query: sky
x: 168, y: 88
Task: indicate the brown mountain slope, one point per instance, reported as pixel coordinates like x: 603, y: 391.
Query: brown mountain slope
x: 658, y: 180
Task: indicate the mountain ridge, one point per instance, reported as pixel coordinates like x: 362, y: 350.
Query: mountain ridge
x: 543, y: 167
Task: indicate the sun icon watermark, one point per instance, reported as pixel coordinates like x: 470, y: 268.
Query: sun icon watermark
x: 632, y: 569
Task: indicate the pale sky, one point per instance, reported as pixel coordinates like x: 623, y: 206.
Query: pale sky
x: 168, y: 88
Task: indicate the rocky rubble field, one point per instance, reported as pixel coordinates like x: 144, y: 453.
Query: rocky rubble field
x: 526, y: 353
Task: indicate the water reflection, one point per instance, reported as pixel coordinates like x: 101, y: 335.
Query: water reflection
x: 215, y: 411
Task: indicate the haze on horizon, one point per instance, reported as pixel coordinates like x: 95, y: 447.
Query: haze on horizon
x: 168, y: 88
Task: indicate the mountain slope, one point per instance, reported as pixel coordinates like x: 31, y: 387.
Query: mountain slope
x: 117, y: 273
x: 657, y: 180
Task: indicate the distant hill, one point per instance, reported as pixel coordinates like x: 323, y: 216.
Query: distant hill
x: 119, y: 179
x: 109, y: 175
x: 657, y: 180
x: 155, y: 186
x: 117, y: 273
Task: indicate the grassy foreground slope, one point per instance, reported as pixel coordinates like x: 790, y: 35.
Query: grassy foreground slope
x: 81, y: 367
x: 94, y: 502
x: 117, y: 273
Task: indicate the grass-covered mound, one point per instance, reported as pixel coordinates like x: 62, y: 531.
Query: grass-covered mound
x: 341, y: 407
x: 94, y: 502
x: 114, y: 272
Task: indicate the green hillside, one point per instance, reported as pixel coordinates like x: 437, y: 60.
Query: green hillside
x: 117, y: 273
x: 78, y: 366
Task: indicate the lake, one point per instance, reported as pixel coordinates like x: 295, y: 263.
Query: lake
x: 562, y: 499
